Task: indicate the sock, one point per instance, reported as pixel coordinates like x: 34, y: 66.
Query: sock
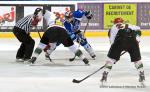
x: 37, y: 52
x: 109, y: 64
x: 80, y: 54
x: 139, y: 66
x: 76, y: 51
x: 39, y: 49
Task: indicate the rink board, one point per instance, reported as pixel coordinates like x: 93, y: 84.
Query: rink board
x: 87, y: 34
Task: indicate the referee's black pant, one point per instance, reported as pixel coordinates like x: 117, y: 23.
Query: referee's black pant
x: 27, y: 43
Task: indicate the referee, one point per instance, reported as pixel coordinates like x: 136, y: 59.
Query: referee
x: 22, y: 32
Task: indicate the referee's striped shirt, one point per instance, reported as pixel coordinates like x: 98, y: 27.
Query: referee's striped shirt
x: 25, y: 23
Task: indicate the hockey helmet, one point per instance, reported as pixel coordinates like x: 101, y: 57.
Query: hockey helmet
x: 118, y: 20
x: 37, y: 16
x: 68, y: 16
x: 39, y: 11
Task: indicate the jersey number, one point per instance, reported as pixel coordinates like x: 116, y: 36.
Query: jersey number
x: 119, y: 26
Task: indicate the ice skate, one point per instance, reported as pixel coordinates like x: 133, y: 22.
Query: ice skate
x: 32, y: 60
x: 93, y: 56
x: 86, y: 61
x: 47, y: 57
x: 104, y: 78
x: 142, y: 78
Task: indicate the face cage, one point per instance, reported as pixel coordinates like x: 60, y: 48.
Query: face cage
x: 69, y: 19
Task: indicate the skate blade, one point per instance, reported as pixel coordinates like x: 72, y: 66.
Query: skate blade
x: 142, y: 84
x: 87, y: 64
x: 19, y: 60
x: 46, y: 58
x: 103, y: 83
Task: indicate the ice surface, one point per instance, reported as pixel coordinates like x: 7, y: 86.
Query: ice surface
x: 48, y: 77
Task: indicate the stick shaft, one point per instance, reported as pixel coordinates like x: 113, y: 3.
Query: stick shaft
x: 39, y: 35
x: 93, y: 72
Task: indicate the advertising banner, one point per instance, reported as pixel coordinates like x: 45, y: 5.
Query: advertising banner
x: 59, y: 12
x: 97, y: 10
x: 7, y: 17
x: 143, y: 15
x: 126, y: 11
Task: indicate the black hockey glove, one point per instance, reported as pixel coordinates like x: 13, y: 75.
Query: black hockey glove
x: 77, y: 32
x: 88, y: 14
x: 138, y: 32
x: 80, y: 38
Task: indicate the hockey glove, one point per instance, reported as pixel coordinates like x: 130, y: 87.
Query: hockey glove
x: 77, y: 32
x: 46, y: 48
x: 80, y: 40
x: 138, y: 32
x: 88, y: 14
x: 80, y: 37
x: 89, y: 17
x: 35, y: 22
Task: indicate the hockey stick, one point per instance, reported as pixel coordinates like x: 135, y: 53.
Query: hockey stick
x: 78, y: 81
x: 39, y: 34
x: 72, y: 59
x: 41, y: 38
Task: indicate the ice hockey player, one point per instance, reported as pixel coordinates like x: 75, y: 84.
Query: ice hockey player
x: 72, y: 24
x: 53, y: 35
x: 22, y: 32
x: 124, y: 37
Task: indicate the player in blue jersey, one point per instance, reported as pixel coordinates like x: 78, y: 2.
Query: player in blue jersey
x: 72, y: 24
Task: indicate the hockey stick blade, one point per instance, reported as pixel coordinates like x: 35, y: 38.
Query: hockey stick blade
x: 76, y: 81
x: 71, y: 59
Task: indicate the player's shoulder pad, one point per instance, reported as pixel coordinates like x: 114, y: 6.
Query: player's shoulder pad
x: 134, y: 27
x: 78, y: 14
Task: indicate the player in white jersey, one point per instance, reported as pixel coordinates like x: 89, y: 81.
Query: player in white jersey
x: 55, y: 34
x: 124, y: 37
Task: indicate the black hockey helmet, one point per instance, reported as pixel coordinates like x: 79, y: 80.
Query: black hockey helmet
x: 38, y: 10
